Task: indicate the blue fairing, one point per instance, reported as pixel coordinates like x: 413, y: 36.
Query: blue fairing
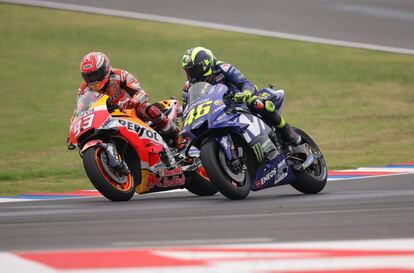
x: 202, y: 93
x: 274, y: 173
x: 279, y: 96
x: 207, y: 111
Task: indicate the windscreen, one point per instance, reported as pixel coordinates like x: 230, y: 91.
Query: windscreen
x: 197, y: 91
x: 85, y: 100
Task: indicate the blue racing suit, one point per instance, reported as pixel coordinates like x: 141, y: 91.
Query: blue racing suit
x: 260, y: 102
x: 226, y: 74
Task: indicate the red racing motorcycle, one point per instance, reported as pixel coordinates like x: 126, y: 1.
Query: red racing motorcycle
x: 122, y: 154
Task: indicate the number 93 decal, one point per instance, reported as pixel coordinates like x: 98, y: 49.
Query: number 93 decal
x: 83, y: 123
x: 197, y: 112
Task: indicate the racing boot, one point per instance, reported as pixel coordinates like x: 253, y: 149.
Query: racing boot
x: 175, y: 139
x: 166, y: 127
x: 289, y: 135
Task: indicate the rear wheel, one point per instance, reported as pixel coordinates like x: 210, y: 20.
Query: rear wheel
x: 197, y: 182
x: 114, y: 186
x: 313, y: 179
x: 232, y: 178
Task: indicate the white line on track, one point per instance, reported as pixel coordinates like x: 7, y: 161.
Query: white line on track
x: 11, y: 263
x: 251, y: 216
x: 10, y: 200
x: 173, y: 20
x: 372, y: 244
x: 192, y: 242
x: 333, y: 178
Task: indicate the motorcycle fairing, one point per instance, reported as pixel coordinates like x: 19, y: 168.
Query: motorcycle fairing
x: 146, y: 141
x: 279, y: 97
x: 274, y: 172
x: 254, y: 127
x: 155, y: 176
x: 85, y: 122
x: 160, y: 182
x: 91, y: 143
x: 225, y: 120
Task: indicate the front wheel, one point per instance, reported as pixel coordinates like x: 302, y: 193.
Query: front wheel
x: 232, y: 179
x: 110, y: 184
x: 313, y: 179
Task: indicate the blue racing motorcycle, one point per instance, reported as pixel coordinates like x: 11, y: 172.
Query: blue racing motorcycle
x: 241, y: 152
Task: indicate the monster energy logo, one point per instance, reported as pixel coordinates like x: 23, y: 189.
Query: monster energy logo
x: 258, y: 151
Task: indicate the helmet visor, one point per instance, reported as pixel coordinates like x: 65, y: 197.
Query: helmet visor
x: 195, y: 71
x: 97, y: 75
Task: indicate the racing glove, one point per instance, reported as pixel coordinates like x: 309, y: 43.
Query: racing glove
x: 245, y: 96
x: 127, y: 103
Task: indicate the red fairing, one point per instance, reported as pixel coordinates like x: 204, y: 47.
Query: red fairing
x: 147, y: 149
x: 137, y: 143
x: 86, y: 122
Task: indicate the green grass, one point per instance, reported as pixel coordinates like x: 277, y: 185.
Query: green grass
x: 357, y: 104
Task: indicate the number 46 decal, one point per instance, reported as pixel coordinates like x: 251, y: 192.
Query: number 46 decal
x: 198, y: 112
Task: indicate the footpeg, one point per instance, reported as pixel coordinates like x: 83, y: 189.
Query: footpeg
x: 303, y: 150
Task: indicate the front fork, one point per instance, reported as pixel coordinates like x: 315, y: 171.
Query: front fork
x: 228, y: 147
x: 114, y: 159
x: 263, y: 149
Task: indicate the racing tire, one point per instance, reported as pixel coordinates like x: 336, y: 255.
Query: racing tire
x: 198, y: 183
x: 210, y: 157
x: 314, y: 178
x: 102, y: 180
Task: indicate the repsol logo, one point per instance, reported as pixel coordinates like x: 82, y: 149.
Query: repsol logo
x: 141, y: 131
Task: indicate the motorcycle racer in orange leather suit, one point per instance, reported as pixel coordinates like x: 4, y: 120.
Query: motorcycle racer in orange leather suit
x: 125, y: 92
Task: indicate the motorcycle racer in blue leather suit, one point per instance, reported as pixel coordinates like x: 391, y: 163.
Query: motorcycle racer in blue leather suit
x: 200, y: 64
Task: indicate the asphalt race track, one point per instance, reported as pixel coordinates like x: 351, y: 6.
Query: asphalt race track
x: 369, y: 208
x: 377, y: 22
x: 358, y: 209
